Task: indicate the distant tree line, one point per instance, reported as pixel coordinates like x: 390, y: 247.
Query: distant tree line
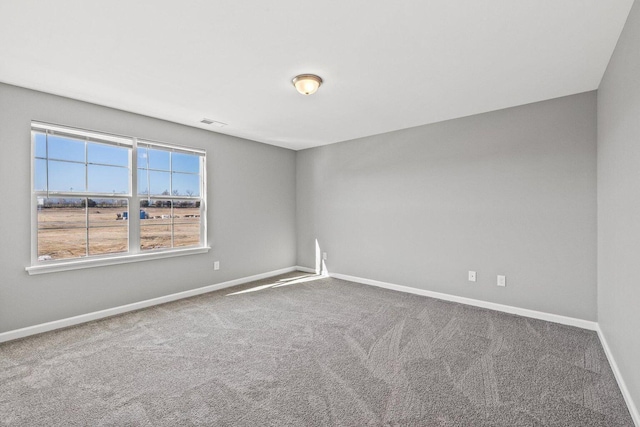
x: 167, y: 204
x: 115, y: 203
x: 82, y: 203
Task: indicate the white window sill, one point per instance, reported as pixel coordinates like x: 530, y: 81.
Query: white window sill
x: 55, y: 267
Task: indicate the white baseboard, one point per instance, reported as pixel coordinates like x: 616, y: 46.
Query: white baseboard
x: 633, y: 409
x: 555, y: 318
x: 306, y: 269
x: 83, y: 318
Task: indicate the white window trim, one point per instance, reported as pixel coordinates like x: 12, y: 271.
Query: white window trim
x: 105, y: 260
x: 135, y: 254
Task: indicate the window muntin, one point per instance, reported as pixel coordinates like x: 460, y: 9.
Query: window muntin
x: 82, y: 187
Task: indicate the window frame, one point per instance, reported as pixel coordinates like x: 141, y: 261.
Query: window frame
x: 134, y: 252
x: 173, y: 198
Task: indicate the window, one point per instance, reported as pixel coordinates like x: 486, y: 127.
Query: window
x: 169, y: 182
x: 89, y: 204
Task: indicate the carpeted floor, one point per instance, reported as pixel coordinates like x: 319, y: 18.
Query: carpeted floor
x: 310, y: 352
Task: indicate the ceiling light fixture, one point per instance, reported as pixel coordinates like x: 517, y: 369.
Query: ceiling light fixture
x: 307, y: 84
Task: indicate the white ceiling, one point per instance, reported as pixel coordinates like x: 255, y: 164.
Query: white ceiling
x: 387, y: 65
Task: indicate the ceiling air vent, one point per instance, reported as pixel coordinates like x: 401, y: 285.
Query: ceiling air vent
x: 213, y: 122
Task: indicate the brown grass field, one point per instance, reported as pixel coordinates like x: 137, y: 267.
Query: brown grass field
x: 62, y: 232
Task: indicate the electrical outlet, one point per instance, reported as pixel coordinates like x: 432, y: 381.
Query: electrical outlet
x: 324, y: 256
x: 502, y: 280
x: 472, y: 276
x: 216, y: 265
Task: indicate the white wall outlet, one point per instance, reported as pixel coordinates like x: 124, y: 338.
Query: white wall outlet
x: 472, y: 276
x: 324, y: 256
x: 502, y: 280
x: 216, y: 265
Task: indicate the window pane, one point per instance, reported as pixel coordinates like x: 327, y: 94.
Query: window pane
x: 155, y: 236
x: 40, y: 178
x: 155, y: 212
x: 158, y: 159
x: 159, y: 183
x: 107, y: 154
x: 108, y: 240
x: 108, y: 179
x: 65, y: 176
x: 185, y: 163
x: 63, y: 148
x: 186, y: 184
x: 61, y: 228
x: 143, y: 185
x: 185, y: 211
x: 187, y: 234
x: 61, y: 243
x: 143, y: 155
x: 61, y: 213
x: 186, y: 228
x: 155, y: 227
x: 41, y: 145
x: 108, y: 213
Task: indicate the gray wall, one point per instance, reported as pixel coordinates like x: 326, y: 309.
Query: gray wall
x: 508, y: 192
x: 251, y: 216
x: 619, y: 203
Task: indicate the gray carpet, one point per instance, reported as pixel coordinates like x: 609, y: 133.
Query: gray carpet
x: 282, y: 352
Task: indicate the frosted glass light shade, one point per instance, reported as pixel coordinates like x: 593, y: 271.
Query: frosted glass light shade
x: 307, y: 84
